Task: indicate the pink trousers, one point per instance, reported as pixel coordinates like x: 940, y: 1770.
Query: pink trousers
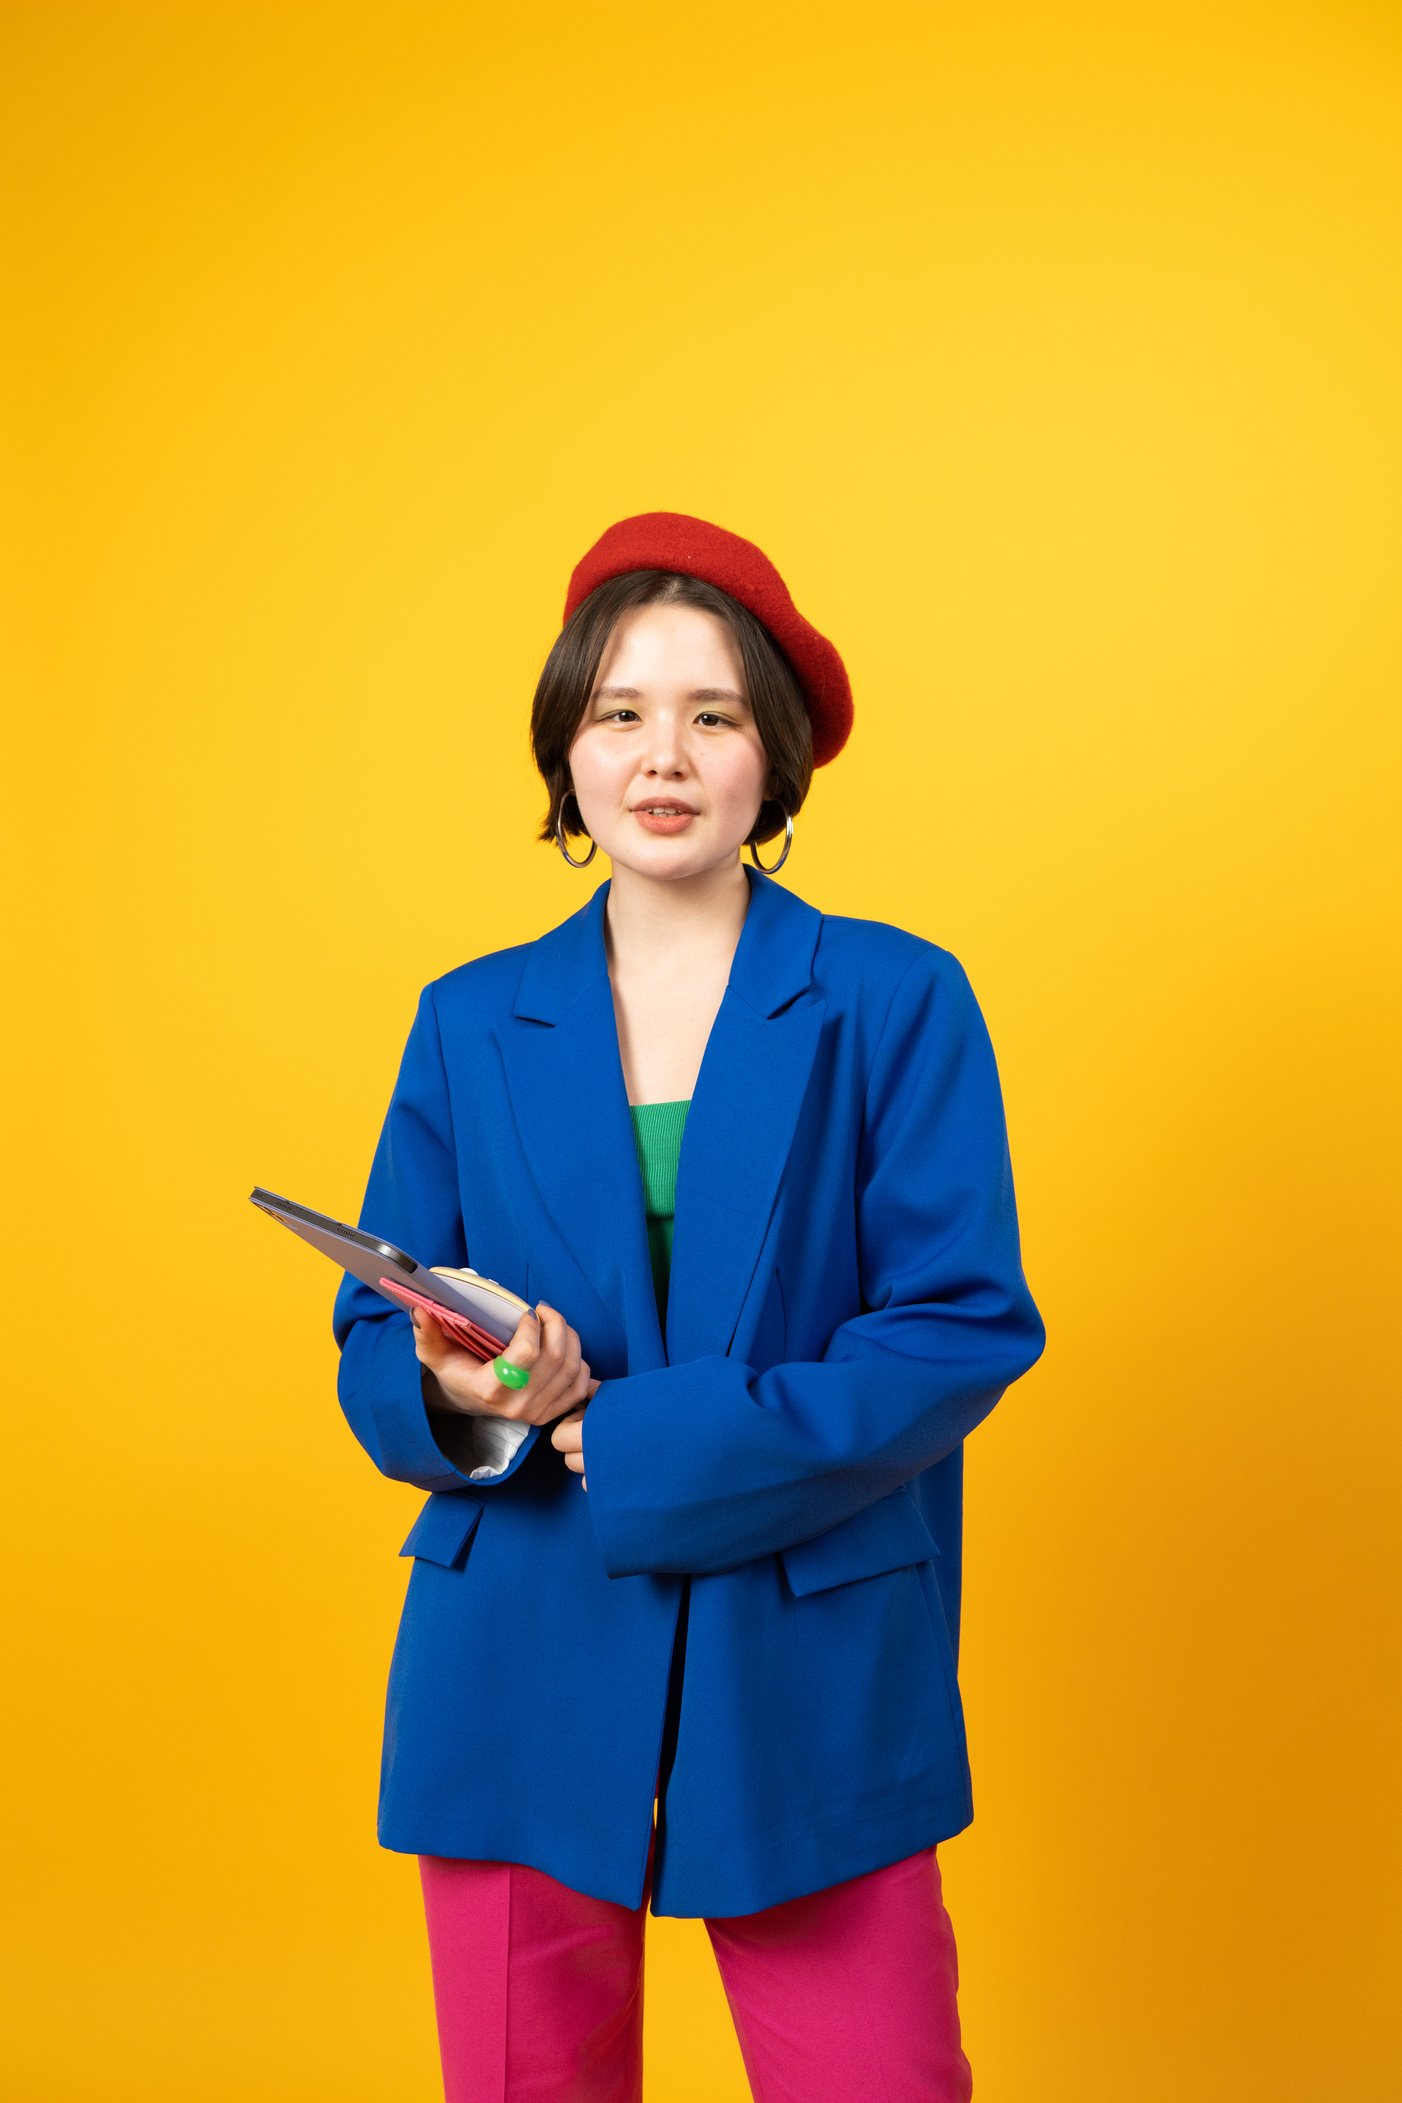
x: 848, y: 1995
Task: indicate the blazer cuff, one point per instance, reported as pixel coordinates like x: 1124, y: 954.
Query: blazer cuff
x: 384, y: 1393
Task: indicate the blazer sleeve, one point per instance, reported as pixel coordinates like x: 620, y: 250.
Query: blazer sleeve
x: 411, y: 1199
x: 700, y: 1466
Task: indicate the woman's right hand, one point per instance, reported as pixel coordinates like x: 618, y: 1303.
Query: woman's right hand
x: 543, y: 1342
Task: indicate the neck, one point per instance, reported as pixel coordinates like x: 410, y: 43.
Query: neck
x: 651, y: 924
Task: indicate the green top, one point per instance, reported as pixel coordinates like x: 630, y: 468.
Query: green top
x: 657, y: 1131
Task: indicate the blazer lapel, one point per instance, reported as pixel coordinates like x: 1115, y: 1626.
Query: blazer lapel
x: 564, y: 1073
x: 743, y: 1114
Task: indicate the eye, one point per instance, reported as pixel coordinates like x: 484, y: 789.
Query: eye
x: 609, y: 715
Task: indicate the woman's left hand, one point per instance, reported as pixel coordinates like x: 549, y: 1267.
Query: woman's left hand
x: 567, y: 1437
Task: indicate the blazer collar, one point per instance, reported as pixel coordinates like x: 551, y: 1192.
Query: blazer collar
x: 570, y: 1103
x: 773, y: 958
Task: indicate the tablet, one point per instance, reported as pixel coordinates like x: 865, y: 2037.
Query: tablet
x: 469, y: 1300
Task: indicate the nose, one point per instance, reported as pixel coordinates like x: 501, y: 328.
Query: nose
x: 663, y: 751
x: 663, y: 740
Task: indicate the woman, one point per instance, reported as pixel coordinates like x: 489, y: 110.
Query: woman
x: 692, y: 1543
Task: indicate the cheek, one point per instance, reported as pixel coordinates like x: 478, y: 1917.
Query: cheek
x: 595, y: 763
x: 740, y: 779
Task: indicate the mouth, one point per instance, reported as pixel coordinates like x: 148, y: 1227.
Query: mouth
x: 662, y: 818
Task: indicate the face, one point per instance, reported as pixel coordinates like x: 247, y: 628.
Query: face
x: 668, y: 721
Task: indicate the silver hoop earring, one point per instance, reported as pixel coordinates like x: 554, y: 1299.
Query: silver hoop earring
x: 788, y: 842
x: 560, y: 843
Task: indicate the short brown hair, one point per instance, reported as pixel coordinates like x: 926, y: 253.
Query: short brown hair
x: 567, y: 681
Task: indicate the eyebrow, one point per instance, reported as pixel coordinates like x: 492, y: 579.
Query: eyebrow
x: 698, y: 693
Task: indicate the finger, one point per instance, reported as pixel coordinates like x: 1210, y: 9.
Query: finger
x: 552, y: 1328
x: 525, y: 1345
x: 558, y: 1345
x: 524, y: 1350
x: 436, y: 1346
x: 429, y: 1340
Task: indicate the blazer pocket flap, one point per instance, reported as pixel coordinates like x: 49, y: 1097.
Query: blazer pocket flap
x: 444, y: 1527
x: 884, y: 1536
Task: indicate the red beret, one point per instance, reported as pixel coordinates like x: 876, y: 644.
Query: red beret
x: 670, y: 540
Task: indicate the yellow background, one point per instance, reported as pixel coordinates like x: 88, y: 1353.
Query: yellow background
x: 1052, y: 354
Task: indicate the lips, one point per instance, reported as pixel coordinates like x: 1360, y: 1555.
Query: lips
x: 673, y: 822
x: 687, y: 810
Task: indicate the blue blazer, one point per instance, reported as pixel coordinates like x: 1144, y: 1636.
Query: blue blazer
x: 846, y: 1304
